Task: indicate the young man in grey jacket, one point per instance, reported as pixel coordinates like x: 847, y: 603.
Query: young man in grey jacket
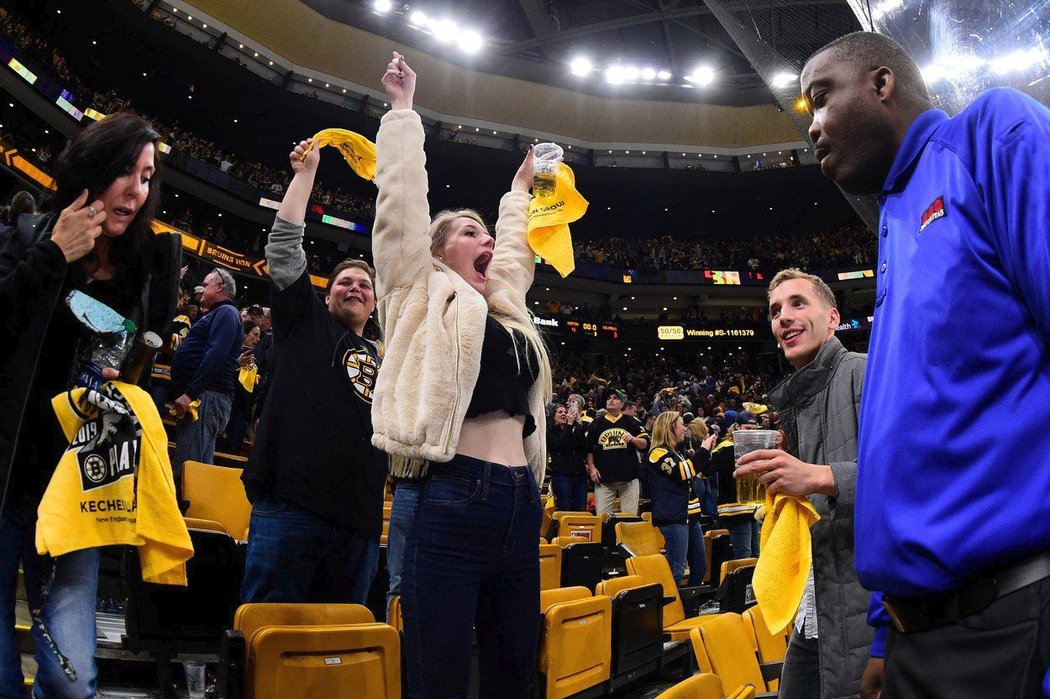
x: 818, y: 407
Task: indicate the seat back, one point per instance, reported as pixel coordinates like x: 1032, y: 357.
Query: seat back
x: 655, y: 569
x: 190, y: 619
x: 639, y: 538
x: 252, y: 617
x: 609, y: 523
x: 771, y: 647
x: 216, y: 493
x: 576, y: 651
x: 612, y: 586
x: 205, y: 525
x: 719, y: 548
x: 735, y: 564
x: 637, y: 631
x: 316, y: 662
x: 550, y: 566
x: 728, y: 650
x: 736, y: 593
x: 581, y: 527
x: 558, y: 595
x: 581, y: 564
x: 393, y: 614
x: 701, y: 686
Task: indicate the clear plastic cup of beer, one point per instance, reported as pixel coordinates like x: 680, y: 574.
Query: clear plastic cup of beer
x: 545, y: 160
x: 748, y: 489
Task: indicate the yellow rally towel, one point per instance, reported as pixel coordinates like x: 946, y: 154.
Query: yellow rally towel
x: 358, y: 151
x: 248, y: 376
x: 783, y: 566
x: 191, y: 410
x: 549, y: 219
x: 113, y: 485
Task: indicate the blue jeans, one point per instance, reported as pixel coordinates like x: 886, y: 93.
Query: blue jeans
x: 743, y: 535
x: 682, y: 542
x: 800, y: 676
x: 570, y: 492
x: 65, y: 609
x: 472, y: 561
x: 195, y: 439
x: 402, y: 514
x: 297, y: 556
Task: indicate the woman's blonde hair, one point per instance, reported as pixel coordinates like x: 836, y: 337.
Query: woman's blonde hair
x: 439, y: 228
x: 698, y: 429
x: 663, y: 430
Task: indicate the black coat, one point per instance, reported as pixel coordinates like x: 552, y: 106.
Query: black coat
x: 32, y: 275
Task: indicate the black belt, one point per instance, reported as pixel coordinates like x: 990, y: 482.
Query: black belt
x: 915, y: 614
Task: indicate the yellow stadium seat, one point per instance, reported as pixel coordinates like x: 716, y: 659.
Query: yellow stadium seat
x: 613, y: 586
x: 639, y: 538
x: 735, y: 564
x: 550, y: 566
x: 655, y: 569
x: 252, y: 617
x: 637, y: 628
x: 206, y: 525
x: 216, y: 493
x: 575, y: 642
x: 580, y: 527
x: 704, y: 686
x: 725, y: 552
x: 309, y: 651
x: 393, y: 614
x: 558, y: 595
x: 722, y: 646
x: 771, y: 647
x: 325, y: 662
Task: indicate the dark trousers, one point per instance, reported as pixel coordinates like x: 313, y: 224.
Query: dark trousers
x: 570, y: 492
x: 1000, y: 653
x: 800, y: 677
x: 297, y: 556
x: 472, y: 562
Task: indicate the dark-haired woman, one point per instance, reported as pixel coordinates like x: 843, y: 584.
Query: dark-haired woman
x: 97, y: 240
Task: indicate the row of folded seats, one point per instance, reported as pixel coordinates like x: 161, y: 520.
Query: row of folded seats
x: 612, y: 612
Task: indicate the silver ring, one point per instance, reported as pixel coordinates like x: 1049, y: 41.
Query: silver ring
x: 91, y: 212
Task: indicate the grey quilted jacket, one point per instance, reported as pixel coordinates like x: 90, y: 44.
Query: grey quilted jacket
x: 818, y: 407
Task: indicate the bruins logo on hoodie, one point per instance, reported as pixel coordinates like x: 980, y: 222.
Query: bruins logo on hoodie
x: 107, y: 450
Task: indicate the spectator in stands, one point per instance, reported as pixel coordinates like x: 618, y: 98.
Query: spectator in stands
x: 567, y: 465
x: 818, y: 407
x: 614, y: 441
x: 21, y: 203
x: 243, y: 397
x: 953, y: 526
x: 670, y: 474
x: 741, y: 523
x: 314, y: 479
x: 467, y: 389
x: 203, y: 372
x: 97, y: 240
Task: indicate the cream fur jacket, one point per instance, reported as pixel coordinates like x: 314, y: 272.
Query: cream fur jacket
x: 433, y: 321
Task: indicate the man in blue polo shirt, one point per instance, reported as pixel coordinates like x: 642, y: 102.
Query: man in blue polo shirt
x: 952, y: 518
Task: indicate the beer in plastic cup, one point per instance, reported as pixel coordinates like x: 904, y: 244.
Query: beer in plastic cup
x: 545, y: 160
x: 748, y: 489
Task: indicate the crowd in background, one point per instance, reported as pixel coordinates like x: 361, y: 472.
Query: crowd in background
x: 840, y: 247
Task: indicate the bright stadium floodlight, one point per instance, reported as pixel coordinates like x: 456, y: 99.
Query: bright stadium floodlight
x: 703, y: 75
x: 631, y: 73
x: 383, y: 5
x: 614, y: 75
x: 445, y: 30
x: 471, y: 42
x: 785, y: 79
x: 581, y: 66
x: 664, y: 75
x: 418, y: 19
x: 648, y: 74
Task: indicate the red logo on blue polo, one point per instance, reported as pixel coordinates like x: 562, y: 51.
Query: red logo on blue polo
x: 933, y: 212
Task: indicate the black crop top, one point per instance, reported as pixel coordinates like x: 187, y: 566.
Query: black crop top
x: 501, y: 385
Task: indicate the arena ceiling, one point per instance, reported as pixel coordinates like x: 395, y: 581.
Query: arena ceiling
x: 536, y: 40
